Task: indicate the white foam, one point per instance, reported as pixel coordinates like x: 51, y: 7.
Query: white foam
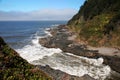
x: 76, y: 65
x: 66, y: 62
x: 48, y: 33
x: 55, y: 25
x: 35, y: 51
x: 96, y: 62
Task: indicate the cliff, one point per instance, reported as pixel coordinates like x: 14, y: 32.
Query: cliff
x: 13, y: 67
x: 98, y: 23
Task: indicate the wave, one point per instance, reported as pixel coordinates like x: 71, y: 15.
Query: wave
x: 47, y: 32
x: 35, y: 51
x: 36, y: 54
x: 55, y: 25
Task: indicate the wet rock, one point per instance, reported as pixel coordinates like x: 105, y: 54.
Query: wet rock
x: 59, y: 75
x: 60, y: 40
x: 113, y: 62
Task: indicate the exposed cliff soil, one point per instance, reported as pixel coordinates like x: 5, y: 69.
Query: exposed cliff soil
x: 98, y: 23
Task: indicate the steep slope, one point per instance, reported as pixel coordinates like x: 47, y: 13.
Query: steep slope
x: 13, y: 67
x: 98, y: 23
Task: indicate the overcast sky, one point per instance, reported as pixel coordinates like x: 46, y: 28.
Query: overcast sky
x: 38, y: 9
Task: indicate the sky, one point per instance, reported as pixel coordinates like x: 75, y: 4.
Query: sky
x: 38, y: 9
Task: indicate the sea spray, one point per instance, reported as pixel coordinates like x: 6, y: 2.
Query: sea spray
x: 35, y: 51
x: 66, y: 62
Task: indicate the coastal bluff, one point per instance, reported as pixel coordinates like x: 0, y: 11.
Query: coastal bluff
x: 13, y: 67
x: 97, y: 23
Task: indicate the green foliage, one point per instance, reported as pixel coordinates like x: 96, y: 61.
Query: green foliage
x: 95, y: 26
x: 97, y: 22
x: 13, y: 67
x: 92, y: 8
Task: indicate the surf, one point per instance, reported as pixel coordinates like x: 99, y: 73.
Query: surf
x: 36, y: 54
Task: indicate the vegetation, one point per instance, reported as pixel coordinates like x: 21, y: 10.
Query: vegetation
x: 98, y: 23
x: 13, y: 67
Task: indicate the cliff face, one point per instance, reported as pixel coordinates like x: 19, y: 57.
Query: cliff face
x: 13, y: 67
x: 98, y: 23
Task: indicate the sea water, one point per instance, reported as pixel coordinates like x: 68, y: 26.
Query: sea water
x: 23, y: 36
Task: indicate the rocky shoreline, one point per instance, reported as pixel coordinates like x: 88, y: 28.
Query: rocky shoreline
x: 59, y: 75
x: 65, y: 40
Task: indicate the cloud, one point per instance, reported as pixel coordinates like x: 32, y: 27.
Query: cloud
x: 44, y: 14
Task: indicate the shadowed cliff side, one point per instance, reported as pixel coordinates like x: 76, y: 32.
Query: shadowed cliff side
x: 13, y: 67
x: 98, y: 23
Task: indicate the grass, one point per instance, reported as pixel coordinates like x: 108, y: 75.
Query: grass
x: 92, y: 31
x: 13, y: 67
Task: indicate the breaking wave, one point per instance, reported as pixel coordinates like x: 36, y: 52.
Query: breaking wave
x: 36, y: 54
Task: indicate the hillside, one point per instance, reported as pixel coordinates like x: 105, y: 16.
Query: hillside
x: 13, y: 67
x: 98, y: 23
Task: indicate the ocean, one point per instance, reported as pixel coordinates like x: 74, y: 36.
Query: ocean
x: 17, y: 33
x: 23, y: 37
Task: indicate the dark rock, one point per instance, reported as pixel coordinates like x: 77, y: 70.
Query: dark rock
x: 113, y: 62
x: 60, y: 40
x: 2, y: 43
x: 59, y: 75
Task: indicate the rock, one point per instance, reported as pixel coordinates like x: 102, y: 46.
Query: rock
x: 59, y: 75
x: 60, y: 40
x: 113, y: 62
